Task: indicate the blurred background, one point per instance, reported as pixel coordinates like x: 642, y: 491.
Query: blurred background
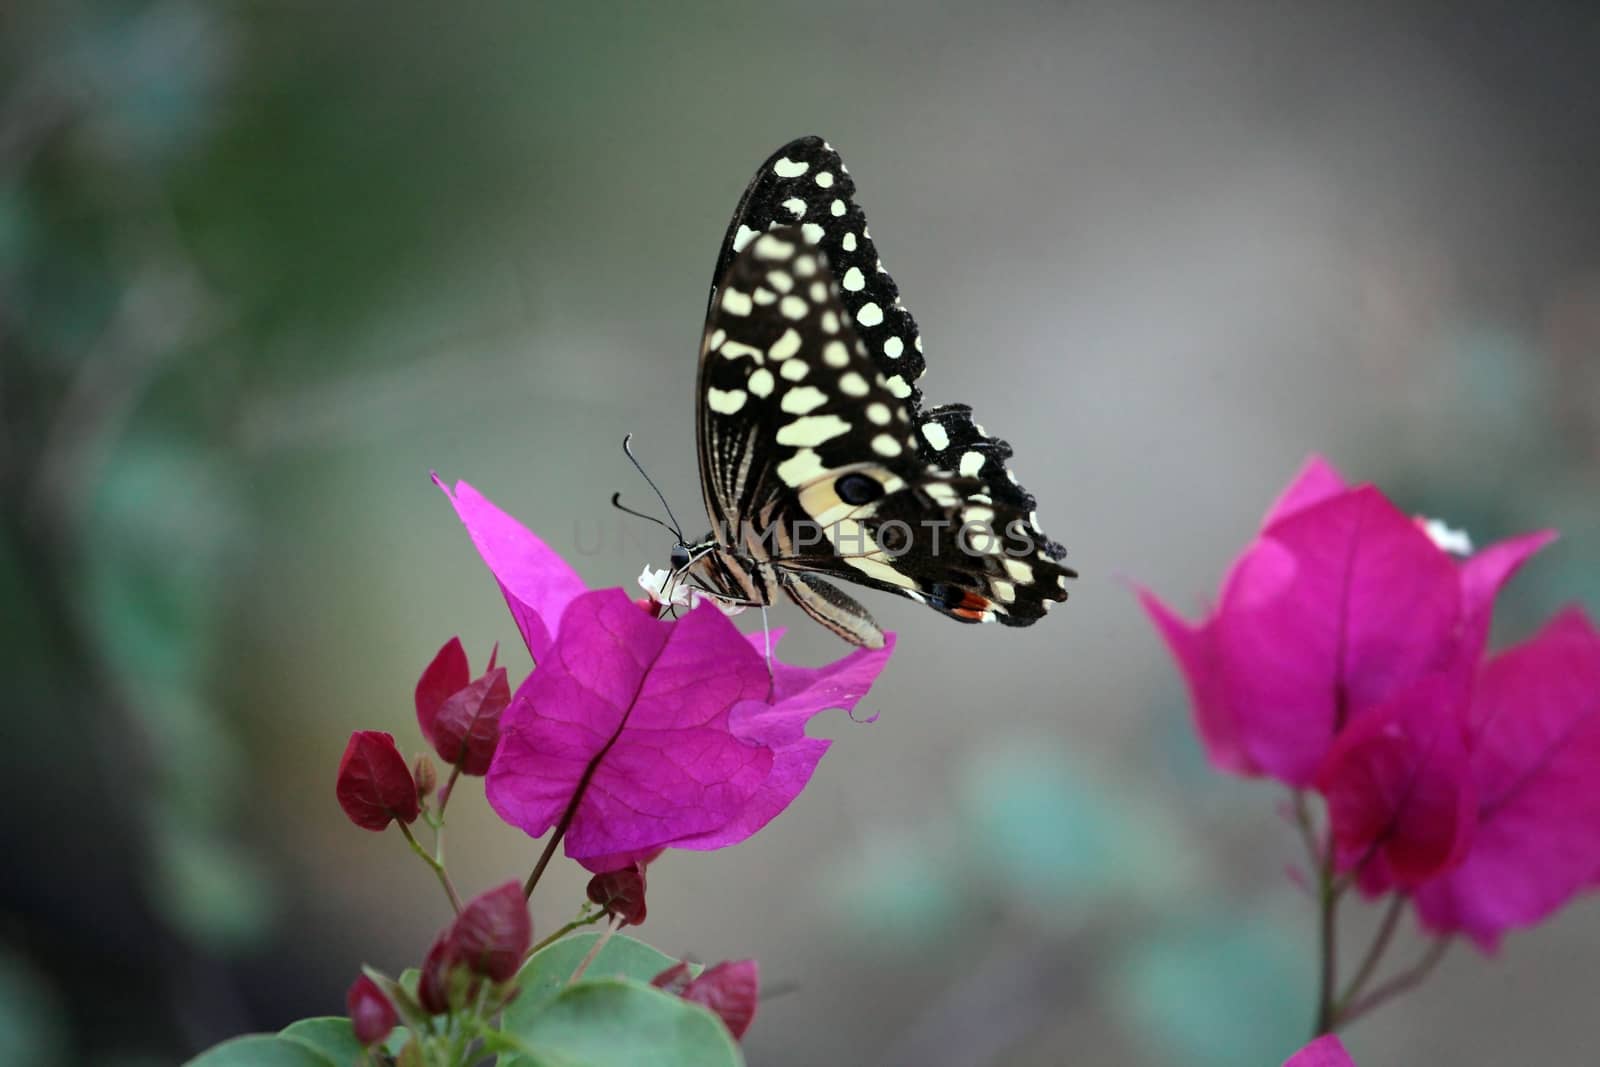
x: 263, y: 266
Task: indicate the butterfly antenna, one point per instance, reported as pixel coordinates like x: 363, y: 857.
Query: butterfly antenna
x: 616, y: 502
x: 627, y: 448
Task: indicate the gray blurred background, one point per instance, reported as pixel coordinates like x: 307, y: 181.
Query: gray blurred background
x: 264, y: 265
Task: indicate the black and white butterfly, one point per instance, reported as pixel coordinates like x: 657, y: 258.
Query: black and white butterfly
x: 817, y: 459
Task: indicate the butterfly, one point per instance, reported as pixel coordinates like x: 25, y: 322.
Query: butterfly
x: 817, y: 460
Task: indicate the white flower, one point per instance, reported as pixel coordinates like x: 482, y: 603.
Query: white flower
x: 681, y: 594
x: 1455, y: 542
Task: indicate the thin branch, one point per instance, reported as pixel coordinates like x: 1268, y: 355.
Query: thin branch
x: 1403, y: 982
x: 594, y: 950
x: 438, y: 868
x: 1375, y: 951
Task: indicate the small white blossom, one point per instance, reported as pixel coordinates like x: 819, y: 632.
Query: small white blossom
x: 1455, y: 542
x: 680, y: 594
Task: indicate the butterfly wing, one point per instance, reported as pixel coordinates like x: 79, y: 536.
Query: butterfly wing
x: 806, y: 185
x: 810, y: 463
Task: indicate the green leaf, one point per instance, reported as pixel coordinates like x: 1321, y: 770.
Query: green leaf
x: 543, y: 976
x: 330, y: 1035
x: 264, y: 1050
x: 615, y: 1022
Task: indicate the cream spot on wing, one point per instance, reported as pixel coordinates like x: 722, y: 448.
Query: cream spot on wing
x: 793, y: 307
x: 918, y: 342
x: 780, y: 281
x: 802, y: 399
x: 800, y: 468
x: 897, y: 385
x: 1020, y: 570
x: 893, y: 347
x: 971, y: 464
x: 870, y: 314
x: 878, y: 413
x: 936, y: 435
x: 805, y: 265
x: 795, y: 369
x: 738, y: 349
x: 886, y: 445
x: 735, y: 303
x: 761, y: 383
x: 1061, y: 580
x: 717, y: 337
x: 853, y: 281
x: 830, y: 322
x: 838, y: 208
x: 743, y: 237
x: 725, y: 401
x: 819, y: 292
x: 849, y: 242
x: 972, y: 514
x: 811, y: 232
x: 785, y: 346
x: 788, y: 168
x: 1005, y: 591
x: 1033, y: 520
x: 764, y: 296
x: 853, y: 384
x: 835, y: 354
x: 824, y: 179
x: 809, y: 430
x: 942, y: 494
x: 796, y: 206
x: 770, y: 247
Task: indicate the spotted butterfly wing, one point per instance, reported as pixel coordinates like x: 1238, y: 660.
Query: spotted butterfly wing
x: 816, y: 460
x: 806, y: 184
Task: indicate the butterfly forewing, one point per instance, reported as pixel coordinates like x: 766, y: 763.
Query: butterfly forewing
x: 805, y: 185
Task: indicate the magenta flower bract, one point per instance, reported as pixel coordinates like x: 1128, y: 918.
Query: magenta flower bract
x: 1535, y: 762
x: 1340, y: 605
x: 662, y: 732
x: 1326, y: 1051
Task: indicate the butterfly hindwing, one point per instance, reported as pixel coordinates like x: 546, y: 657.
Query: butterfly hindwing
x: 810, y: 463
x: 806, y: 185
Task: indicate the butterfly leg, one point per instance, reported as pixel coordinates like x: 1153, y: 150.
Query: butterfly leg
x: 766, y: 640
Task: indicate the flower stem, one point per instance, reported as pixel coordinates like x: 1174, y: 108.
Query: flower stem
x: 444, y: 794
x: 1374, y: 956
x: 594, y: 950
x: 1330, y: 889
x: 438, y: 867
x: 575, y: 924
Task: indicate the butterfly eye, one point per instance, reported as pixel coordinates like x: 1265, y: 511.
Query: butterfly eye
x: 858, y: 489
x: 679, y: 557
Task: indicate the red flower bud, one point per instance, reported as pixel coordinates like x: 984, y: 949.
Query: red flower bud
x: 460, y: 716
x: 731, y: 990
x: 621, y: 893
x: 493, y: 932
x: 434, y: 980
x: 374, y: 783
x: 371, y: 1015
x: 674, y: 979
x: 446, y: 675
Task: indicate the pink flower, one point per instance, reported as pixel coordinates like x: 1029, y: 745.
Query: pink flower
x: 636, y: 733
x: 486, y: 941
x: 1535, y: 762
x: 732, y: 990
x: 1327, y: 1051
x: 1339, y: 606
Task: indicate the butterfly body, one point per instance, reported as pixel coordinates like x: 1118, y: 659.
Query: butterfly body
x: 816, y: 458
